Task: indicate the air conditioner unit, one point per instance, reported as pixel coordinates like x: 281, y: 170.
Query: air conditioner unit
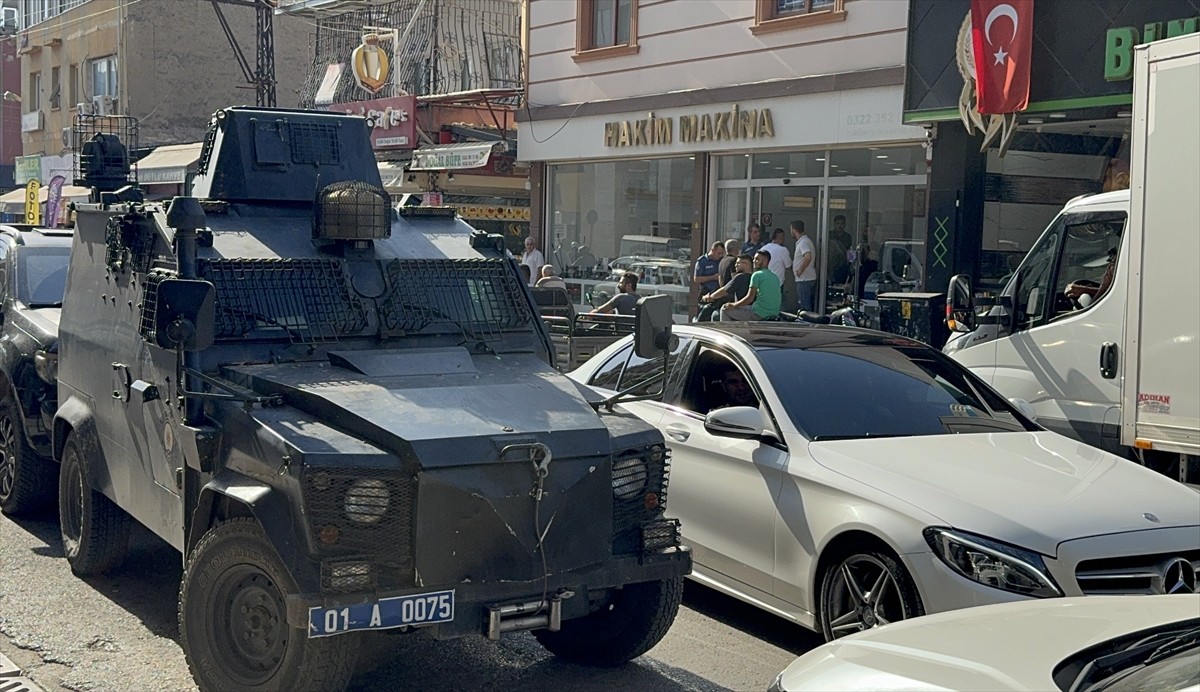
x: 68, y: 139
x: 102, y: 105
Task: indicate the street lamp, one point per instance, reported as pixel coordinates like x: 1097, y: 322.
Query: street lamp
x: 9, y: 96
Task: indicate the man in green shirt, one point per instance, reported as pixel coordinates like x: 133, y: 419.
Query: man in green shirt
x: 762, y: 300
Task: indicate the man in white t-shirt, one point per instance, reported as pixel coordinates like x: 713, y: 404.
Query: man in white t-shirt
x: 780, y: 257
x: 533, y: 259
x: 804, y: 267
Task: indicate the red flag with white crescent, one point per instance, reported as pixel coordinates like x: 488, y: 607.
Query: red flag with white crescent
x: 1002, y: 34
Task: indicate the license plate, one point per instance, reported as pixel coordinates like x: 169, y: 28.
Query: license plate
x: 418, y: 609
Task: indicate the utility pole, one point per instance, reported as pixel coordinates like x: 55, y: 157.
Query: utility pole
x: 262, y: 77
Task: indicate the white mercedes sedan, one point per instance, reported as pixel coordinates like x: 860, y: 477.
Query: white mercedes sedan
x: 845, y: 479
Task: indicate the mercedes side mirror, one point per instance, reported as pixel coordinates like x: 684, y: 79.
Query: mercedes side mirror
x: 745, y: 422
x: 1024, y: 407
x: 652, y: 335
x: 960, y: 305
x: 185, y: 315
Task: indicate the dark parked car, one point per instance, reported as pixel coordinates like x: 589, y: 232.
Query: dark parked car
x: 33, y: 275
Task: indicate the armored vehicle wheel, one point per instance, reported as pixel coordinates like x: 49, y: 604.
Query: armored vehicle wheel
x: 233, y: 620
x: 27, y: 481
x: 95, y: 532
x: 636, y: 619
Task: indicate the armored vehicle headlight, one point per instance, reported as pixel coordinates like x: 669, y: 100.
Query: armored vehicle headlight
x: 367, y: 501
x: 629, y: 478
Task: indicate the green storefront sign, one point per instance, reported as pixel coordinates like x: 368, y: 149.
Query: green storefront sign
x: 27, y: 168
x: 1119, y: 43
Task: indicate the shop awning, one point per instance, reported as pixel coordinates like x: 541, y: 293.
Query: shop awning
x: 460, y: 156
x: 14, y: 202
x: 168, y: 164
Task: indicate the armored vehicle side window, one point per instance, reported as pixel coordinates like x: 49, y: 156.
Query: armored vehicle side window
x: 610, y: 373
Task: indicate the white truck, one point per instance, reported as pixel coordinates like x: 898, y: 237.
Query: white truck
x: 1098, y: 330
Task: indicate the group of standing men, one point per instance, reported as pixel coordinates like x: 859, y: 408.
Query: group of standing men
x: 754, y: 294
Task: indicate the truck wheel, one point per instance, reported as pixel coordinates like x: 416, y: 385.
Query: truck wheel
x: 233, y: 620
x: 27, y: 481
x: 627, y: 627
x: 95, y: 532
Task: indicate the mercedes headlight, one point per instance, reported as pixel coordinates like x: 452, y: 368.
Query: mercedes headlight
x: 629, y: 478
x: 994, y: 564
x: 367, y: 501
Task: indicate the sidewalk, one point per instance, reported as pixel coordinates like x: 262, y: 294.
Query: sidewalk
x: 11, y: 679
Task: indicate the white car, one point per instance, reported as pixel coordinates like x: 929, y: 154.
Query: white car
x: 844, y: 479
x: 1123, y: 644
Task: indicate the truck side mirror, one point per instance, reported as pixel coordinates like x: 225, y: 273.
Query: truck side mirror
x: 185, y: 316
x: 960, y: 305
x: 652, y: 335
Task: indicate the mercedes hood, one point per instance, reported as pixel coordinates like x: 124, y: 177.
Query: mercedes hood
x: 1034, y: 489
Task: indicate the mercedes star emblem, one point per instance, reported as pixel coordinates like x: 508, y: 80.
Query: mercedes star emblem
x: 1175, y: 576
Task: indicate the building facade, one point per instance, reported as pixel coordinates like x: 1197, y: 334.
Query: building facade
x: 987, y: 209
x: 167, y: 63
x: 658, y: 127
x: 439, y: 81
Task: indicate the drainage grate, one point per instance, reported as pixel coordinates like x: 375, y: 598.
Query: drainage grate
x: 11, y: 679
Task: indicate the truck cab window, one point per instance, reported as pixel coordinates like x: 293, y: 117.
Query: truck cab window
x: 1087, y: 263
x: 1033, y: 282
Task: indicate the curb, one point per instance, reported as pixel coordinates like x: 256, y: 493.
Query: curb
x: 11, y: 679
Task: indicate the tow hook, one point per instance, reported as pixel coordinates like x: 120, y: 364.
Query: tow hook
x: 515, y: 616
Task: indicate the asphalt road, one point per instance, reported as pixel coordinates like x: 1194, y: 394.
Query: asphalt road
x: 120, y: 632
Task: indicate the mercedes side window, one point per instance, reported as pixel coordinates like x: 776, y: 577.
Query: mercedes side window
x: 609, y: 374
x: 1088, y: 261
x: 639, y: 369
x: 716, y: 381
x: 1033, y: 284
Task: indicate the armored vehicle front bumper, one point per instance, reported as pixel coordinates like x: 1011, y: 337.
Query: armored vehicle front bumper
x: 448, y: 611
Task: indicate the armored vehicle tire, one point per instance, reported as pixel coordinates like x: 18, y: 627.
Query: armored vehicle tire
x: 233, y: 620
x: 637, y: 618
x: 95, y: 532
x: 27, y: 481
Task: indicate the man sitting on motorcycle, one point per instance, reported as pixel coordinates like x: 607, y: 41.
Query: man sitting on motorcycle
x: 762, y: 301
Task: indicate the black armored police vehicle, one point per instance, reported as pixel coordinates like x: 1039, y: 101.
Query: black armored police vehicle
x: 345, y: 418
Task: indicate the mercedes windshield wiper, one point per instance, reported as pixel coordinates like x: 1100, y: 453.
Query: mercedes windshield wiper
x: 863, y: 436
x: 1105, y: 671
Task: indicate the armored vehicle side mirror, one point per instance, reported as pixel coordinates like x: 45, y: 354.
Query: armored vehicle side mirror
x: 960, y: 305
x: 185, y: 317
x: 652, y: 335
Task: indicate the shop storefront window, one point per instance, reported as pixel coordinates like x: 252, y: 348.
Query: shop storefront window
x: 875, y: 161
x: 869, y: 233
x: 610, y: 217
x: 801, y: 164
x: 732, y: 167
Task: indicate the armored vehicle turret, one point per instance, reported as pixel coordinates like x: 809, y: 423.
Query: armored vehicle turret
x: 345, y: 420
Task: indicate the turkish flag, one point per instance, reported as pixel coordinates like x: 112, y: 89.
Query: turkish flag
x: 1002, y: 34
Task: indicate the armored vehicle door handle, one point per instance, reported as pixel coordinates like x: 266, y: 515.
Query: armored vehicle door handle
x: 1108, y: 360
x: 122, y: 382
x: 678, y: 433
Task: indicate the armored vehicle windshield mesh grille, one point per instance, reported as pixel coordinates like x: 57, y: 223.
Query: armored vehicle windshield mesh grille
x: 366, y: 513
x: 639, y: 495
x: 308, y: 299
x: 315, y: 143
x: 150, y: 303
x: 482, y: 298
